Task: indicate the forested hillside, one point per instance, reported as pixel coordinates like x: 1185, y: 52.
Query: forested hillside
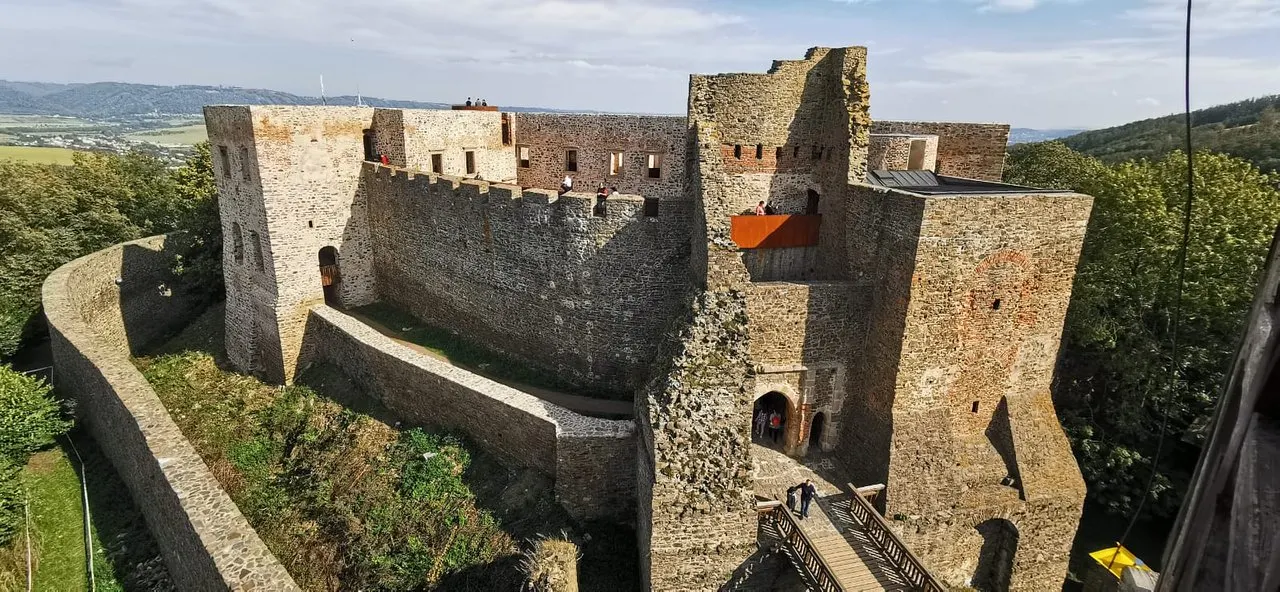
x: 1247, y: 129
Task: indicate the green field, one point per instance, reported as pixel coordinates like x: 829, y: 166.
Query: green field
x: 44, y: 121
x: 185, y: 135
x: 37, y: 154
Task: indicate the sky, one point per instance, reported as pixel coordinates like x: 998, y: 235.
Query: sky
x: 1031, y: 63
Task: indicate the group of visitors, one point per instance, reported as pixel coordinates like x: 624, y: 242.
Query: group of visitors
x: 477, y: 103
x: 764, y: 209
x: 771, y: 420
x: 807, y: 492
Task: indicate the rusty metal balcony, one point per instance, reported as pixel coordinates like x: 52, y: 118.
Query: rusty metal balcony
x: 777, y: 231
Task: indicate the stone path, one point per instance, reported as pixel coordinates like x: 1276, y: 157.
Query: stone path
x: 775, y: 472
x: 576, y: 403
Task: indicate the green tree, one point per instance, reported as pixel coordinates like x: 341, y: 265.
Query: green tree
x: 1115, y: 378
x: 29, y: 421
x: 199, y: 261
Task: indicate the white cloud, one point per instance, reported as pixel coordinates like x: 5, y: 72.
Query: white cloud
x: 1208, y: 17
x: 1148, y: 102
x: 1008, y: 5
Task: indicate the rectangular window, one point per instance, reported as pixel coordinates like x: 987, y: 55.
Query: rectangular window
x: 653, y: 164
x: 915, y: 161
x: 506, y: 129
x: 244, y: 163
x: 650, y: 207
x: 737, y: 150
x: 615, y: 163
x: 522, y: 155
x: 437, y: 163
x: 759, y: 151
x: 777, y: 154
x: 226, y: 161
x: 817, y: 152
x: 571, y: 161
x: 471, y: 162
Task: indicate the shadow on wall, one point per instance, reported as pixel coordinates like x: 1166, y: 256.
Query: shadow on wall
x: 995, y: 559
x: 152, y: 307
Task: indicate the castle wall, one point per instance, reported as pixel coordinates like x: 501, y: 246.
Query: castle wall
x: 549, y: 135
x: 299, y: 193
x: 591, y: 459
x: 794, y: 323
x: 969, y: 150
x: 540, y: 278
x: 409, y: 137
x: 892, y: 152
x: 94, y: 326
x: 991, y: 275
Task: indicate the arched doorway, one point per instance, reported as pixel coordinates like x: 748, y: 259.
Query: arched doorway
x: 329, y: 276
x: 811, y: 203
x: 815, y: 429
x: 995, y: 559
x: 764, y: 429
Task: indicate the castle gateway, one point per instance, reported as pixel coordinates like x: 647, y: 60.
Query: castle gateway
x: 899, y: 307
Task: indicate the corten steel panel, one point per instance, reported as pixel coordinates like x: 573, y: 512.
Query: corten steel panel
x: 772, y: 232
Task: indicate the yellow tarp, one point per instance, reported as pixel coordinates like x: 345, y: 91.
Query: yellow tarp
x: 1117, y: 558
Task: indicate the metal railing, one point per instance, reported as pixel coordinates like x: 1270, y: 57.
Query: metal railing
x: 798, y: 542
x: 876, y: 529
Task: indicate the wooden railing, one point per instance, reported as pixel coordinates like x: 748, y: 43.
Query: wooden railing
x: 810, y: 559
x: 329, y: 275
x: 876, y: 529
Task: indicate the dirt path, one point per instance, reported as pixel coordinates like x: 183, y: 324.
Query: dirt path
x: 576, y: 403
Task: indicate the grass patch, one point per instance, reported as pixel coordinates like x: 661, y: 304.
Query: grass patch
x: 125, y: 556
x: 37, y: 154
x: 474, y: 357
x: 183, y: 135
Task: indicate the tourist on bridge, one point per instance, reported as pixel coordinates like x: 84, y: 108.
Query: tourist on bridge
x: 807, y: 493
x: 791, y: 498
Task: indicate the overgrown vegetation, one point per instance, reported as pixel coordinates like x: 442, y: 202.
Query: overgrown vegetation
x: 1246, y: 129
x: 473, y: 356
x: 1116, y: 375
x: 51, y: 214
x: 29, y: 421
x: 340, y: 495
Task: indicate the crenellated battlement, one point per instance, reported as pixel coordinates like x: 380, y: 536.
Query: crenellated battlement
x: 417, y: 184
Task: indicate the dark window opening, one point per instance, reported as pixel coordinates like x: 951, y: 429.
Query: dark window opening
x: 571, y: 161
x: 737, y: 151
x: 995, y: 305
x: 815, y: 429
x: 329, y: 275
x: 311, y: 223
x: 975, y: 407
x: 795, y: 152
x: 226, y: 161
x: 471, y: 162
x: 368, y: 146
x: 653, y: 164
x: 522, y: 155
x: 817, y: 153
x: 777, y: 154
x: 437, y: 163
x: 650, y: 207
x: 256, y: 244
x: 237, y: 238
x: 244, y: 163
x: 506, y: 129
x: 759, y: 151
x: 769, y: 417
x: 811, y: 203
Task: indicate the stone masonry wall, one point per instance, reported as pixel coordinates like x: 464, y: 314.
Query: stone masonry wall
x: 540, y: 278
x: 300, y: 194
x: 892, y: 152
x: 409, y: 137
x: 969, y: 150
x: 549, y: 135
x: 95, y: 324
x: 794, y: 323
x: 591, y: 459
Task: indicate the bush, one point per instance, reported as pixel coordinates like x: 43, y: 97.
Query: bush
x: 29, y: 421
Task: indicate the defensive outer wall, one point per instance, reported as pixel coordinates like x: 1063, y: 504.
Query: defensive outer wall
x: 101, y: 308
x: 920, y: 327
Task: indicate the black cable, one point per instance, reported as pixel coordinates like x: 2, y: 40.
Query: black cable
x: 1182, y: 273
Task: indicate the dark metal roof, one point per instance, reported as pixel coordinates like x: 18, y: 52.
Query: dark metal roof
x: 929, y: 183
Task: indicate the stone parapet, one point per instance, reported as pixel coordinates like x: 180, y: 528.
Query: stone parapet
x: 101, y: 308
x: 591, y: 459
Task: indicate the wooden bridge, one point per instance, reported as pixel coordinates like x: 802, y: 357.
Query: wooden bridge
x: 845, y: 546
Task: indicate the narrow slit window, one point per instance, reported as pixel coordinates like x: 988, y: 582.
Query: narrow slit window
x: 522, y: 154
x: 737, y: 150
x: 974, y: 408
x: 571, y: 161
x: 759, y: 151
x: 615, y: 163
x: 817, y: 152
x: 471, y: 162
x: 653, y: 163
x: 437, y: 163
x: 244, y: 163
x: 255, y: 243
x: 996, y: 304
x: 915, y: 160
x: 226, y: 161
x: 777, y: 154
x: 795, y: 152
x: 237, y: 241
x: 506, y: 129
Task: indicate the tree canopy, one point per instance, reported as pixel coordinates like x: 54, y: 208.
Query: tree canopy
x: 1116, y: 375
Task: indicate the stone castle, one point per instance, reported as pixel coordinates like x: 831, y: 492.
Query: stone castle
x: 902, y: 304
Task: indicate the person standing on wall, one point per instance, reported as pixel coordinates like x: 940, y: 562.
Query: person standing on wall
x: 760, y: 209
x: 383, y: 159
x: 807, y: 493
x: 567, y: 185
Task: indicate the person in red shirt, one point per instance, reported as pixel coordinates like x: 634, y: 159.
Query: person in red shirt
x: 383, y: 158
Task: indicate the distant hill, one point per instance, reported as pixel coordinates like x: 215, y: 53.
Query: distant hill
x: 1023, y: 135
x: 1247, y: 129
x: 105, y: 100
